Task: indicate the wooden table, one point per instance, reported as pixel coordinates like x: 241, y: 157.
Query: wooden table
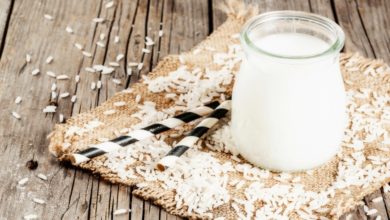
x: 73, y: 194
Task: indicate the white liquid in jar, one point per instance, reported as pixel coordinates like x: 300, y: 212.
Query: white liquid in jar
x: 292, y: 44
x: 288, y: 114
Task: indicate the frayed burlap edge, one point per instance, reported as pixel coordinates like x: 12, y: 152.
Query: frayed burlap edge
x: 236, y: 18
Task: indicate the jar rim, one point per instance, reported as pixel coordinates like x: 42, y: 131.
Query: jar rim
x: 336, y: 46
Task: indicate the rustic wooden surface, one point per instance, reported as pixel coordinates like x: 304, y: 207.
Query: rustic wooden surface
x: 73, y: 194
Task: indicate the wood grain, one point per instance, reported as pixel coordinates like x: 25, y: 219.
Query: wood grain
x: 73, y: 194
x: 5, y: 14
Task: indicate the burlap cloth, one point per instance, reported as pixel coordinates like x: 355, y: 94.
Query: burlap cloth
x: 358, y: 73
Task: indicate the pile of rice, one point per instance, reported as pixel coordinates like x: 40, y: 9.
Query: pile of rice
x: 202, y: 182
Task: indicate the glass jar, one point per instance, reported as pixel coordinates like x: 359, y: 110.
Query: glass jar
x: 288, y: 107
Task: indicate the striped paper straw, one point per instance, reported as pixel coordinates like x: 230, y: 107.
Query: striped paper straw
x: 190, y: 140
x: 141, y: 134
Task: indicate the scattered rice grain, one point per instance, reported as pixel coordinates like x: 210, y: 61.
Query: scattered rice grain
x: 372, y: 211
x: 42, y: 176
x: 116, y: 39
x: 18, y: 100
x: 50, y: 109
x: 51, y: 74
x: 109, y: 112
x: 64, y: 95
x: 69, y: 30
x: 138, y: 98
x: 120, y: 57
x: 35, y: 72
x: 30, y: 217
x: 90, y: 69
x: 79, y: 46
x: 117, y: 81
x: 49, y: 59
x: 119, y: 104
x: 377, y: 199
x: 93, y: 85
x: 63, y: 77
x: 109, y: 4
x: 16, y: 115
x: 48, y: 17
x: 87, y: 54
x: 132, y: 64
x: 28, y: 58
x: 98, y: 20
x: 77, y: 78
x: 121, y: 211
x: 113, y: 64
x: 39, y: 201
x: 61, y: 118
x: 140, y: 66
x: 144, y: 50
x: 23, y: 181
x: 73, y: 99
x: 102, y: 36
x: 100, y: 44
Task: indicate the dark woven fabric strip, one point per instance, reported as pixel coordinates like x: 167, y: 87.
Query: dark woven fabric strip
x: 156, y: 128
x: 178, y: 150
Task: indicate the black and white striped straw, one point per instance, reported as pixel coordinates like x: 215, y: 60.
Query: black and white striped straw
x: 190, y: 140
x: 141, y: 134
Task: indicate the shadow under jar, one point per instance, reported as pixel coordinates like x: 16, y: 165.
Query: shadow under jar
x: 288, y: 107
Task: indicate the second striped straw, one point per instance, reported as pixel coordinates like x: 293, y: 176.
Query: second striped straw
x: 190, y: 140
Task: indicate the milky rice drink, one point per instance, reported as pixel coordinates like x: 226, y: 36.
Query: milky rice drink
x: 288, y: 107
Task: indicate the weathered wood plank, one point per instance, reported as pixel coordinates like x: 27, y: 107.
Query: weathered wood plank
x: 363, y: 25
x: 386, y: 198
x: 5, y: 14
x: 375, y: 18
x: 373, y: 203
x: 356, y: 39
x: 357, y: 214
x: 26, y: 138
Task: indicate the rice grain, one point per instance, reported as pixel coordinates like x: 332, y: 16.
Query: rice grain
x: 18, y: 100
x: 87, y: 54
x: 23, y: 181
x: 64, y: 95
x: 28, y: 58
x: 116, y: 39
x: 42, y: 176
x: 30, y: 217
x: 39, y: 201
x: 35, y: 72
x: 98, y: 20
x: 51, y: 74
x: 109, y: 4
x: 121, y: 211
x: 79, y: 46
x: 115, y: 64
x: 49, y: 59
x: 73, y: 99
x: 119, y: 57
x: 117, y: 81
x: 100, y: 44
x: 69, y: 30
x: 16, y: 115
x: 63, y: 77
x: 48, y: 17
